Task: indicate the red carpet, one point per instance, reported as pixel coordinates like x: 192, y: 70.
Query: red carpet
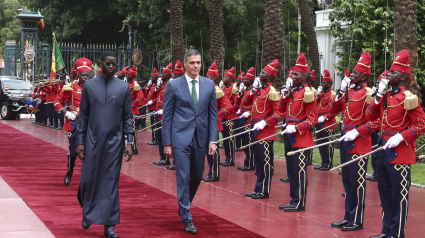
x: 35, y: 170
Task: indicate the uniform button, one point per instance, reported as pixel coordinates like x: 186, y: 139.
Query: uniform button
x: 391, y: 96
x: 395, y: 153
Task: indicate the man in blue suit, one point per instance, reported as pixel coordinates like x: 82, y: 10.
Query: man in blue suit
x: 189, y: 128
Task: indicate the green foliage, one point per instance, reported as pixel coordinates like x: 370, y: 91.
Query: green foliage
x: 10, y: 27
x: 421, y: 45
x: 368, y: 32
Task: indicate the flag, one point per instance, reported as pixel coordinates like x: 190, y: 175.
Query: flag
x: 57, y: 61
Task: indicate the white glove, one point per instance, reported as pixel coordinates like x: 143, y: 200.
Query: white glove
x: 282, y: 92
x: 382, y: 87
x: 260, y: 125
x: 71, y: 115
x: 159, y: 81
x: 319, y: 90
x: 321, y: 119
x: 394, y: 141
x: 289, y: 129
x: 238, y: 112
x: 125, y: 79
x: 241, y: 87
x: 289, y: 83
x: 374, y: 88
x: 150, y: 83
x: 350, y: 136
x: 345, y: 83
x: 246, y: 114
x: 150, y: 102
x: 257, y: 83
x: 221, y: 84
x: 159, y: 112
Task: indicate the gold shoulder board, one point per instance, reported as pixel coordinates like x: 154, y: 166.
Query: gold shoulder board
x: 218, y: 92
x: 273, y: 94
x: 308, y: 95
x: 136, y: 86
x: 234, y: 89
x: 333, y: 94
x: 67, y: 87
x: 369, y: 93
x: 411, y: 100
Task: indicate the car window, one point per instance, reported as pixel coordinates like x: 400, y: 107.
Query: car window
x: 17, y: 85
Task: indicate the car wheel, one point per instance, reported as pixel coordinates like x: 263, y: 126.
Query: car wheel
x: 5, y: 112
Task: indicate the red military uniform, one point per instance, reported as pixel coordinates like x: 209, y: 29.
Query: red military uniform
x: 223, y: 106
x: 136, y: 95
x: 68, y: 91
x: 324, y: 101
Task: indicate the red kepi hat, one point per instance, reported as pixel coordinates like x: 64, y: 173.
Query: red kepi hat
x: 327, y: 76
x: 212, y: 71
x: 347, y: 73
x: 178, y: 68
x: 272, y: 67
x: 250, y: 74
x: 301, y: 65
x: 133, y: 71
x: 401, y: 62
x: 363, y: 65
x: 383, y: 75
x: 169, y: 69
x: 241, y: 76
x: 74, y: 71
x: 84, y: 64
x: 155, y: 73
x: 291, y: 72
x: 312, y: 73
x: 231, y: 73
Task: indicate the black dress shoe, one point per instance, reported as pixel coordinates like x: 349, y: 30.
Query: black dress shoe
x: 286, y: 179
x: 282, y: 207
x: 352, y: 227
x: 224, y: 162
x: 229, y: 164
x: 59, y: 128
x: 260, y: 196
x: 152, y: 143
x: 293, y: 208
x: 250, y: 194
x: 325, y: 168
x: 248, y: 168
x: 190, y: 228
x: 237, y: 150
x: 371, y: 178
x: 382, y: 235
x: 68, y: 176
x: 240, y: 167
x: 109, y: 232
x: 135, y: 152
x: 340, y: 224
x: 318, y: 167
x: 34, y: 122
x: 53, y: 127
x: 161, y: 162
x: 86, y: 225
x: 46, y: 125
x: 210, y: 179
x: 171, y: 167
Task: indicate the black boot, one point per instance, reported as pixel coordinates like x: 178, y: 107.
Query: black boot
x: 70, y: 165
x: 109, y: 232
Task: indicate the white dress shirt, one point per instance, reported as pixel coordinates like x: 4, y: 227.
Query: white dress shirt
x: 189, y: 82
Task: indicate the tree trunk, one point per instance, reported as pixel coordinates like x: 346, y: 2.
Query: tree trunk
x: 308, y: 27
x: 216, y: 34
x: 177, y: 40
x: 273, y: 32
x: 405, y: 26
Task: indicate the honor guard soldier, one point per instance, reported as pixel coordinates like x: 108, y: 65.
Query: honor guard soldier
x: 178, y: 72
x: 158, y: 93
x: 152, y: 103
x: 239, y: 139
x: 43, y: 97
x: 326, y: 119
x: 353, y: 103
x: 290, y: 75
x: 312, y: 74
x: 49, y: 104
x: 71, y: 93
x: 375, y: 134
x: 244, y: 90
x: 137, y: 100
x: 223, y: 108
x: 264, y: 117
x: 228, y: 122
x: 299, y: 104
x: 401, y: 121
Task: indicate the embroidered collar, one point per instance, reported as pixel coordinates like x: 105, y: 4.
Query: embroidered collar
x: 301, y: 87
x: 265, y: 86
x: 326, y: 91
x: 397, y: 90
x: 227, y: 86
x: 81, y: 85
x: 359, y: 87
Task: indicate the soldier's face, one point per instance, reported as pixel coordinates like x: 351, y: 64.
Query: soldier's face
x: 355, y: 76
x: 297, y: 76
x: 392, y: 76
x: 247, y: 82
x: 227, y: 80
x: 326, y: 85
x: 84, y: 76
x: 263, y: 75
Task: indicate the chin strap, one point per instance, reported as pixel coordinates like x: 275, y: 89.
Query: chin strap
x: 348, y: 87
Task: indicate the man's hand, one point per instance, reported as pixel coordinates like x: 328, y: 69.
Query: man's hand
x: 321, y: 119
x: 221, y: 84
x: 260, y: 125
x: 345, y: 83
x: 71, y: 115
x: 128, y: 152
x: 241, y: 87
x: 394, y: 141
x: 80, y: 152
x: 159, y: 112
x: 289, y: 83
x: 168, y: 151
x: 212, y: 148
x: 382, y: 86
x: 350, y: 136
x: 149, y: 83
x: 246, y: 114
x: 319, y: 90
x: 289, y: 130
x: 150, y: 102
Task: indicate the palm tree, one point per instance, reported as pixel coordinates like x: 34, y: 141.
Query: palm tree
x: 274, y: 29
x: 216, y: 34
x: 405, y: 26
x: 308, y: 27
x: 177, y: 42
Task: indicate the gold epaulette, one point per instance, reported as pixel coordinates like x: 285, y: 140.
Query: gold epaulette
x: 136, y: 86
x: 314, y: 91
x: 369, y: 93
x: 273, y: 94
x: 235, y: 89
x: 67, y: 87
x: 411, y: 100
x: 308, y: 95
x: 218, y: 92
x: 333, y: 94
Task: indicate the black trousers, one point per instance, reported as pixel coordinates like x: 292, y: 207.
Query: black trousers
x: 153, y: 121
x: 229, y: 145
x: 326, y: 152
x: 135, y: 146
x: 249, y: 152
x: 214, y: 162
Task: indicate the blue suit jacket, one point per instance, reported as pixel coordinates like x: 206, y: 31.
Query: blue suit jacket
x: 180, y: 118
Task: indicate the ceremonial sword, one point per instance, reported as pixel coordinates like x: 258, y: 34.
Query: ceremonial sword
x: 357, y: 159
x: 235, y: 135
x: 258, y: 141
x: 328, y: 126
x: 328, y: 137
x: 149, y: 126
x: 312, y: 147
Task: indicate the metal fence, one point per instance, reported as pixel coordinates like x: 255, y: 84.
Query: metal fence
x: 71, y: 52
